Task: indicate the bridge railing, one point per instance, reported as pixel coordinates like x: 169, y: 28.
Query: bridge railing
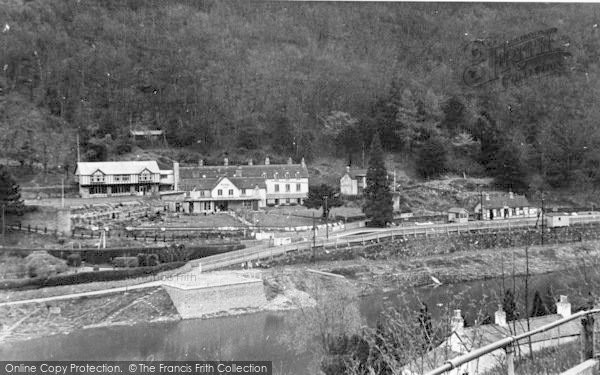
x: 508, y: 344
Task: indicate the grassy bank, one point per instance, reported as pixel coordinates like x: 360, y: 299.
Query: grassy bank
x: 30, y: 321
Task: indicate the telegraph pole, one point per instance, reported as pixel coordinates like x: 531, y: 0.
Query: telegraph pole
x: 3, y: 224
x: 314, y: 239
x: 326, y: 217
x: 542, y: 217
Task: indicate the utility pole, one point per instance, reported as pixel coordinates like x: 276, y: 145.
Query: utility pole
x: 542, y: 217
x: 3, y: 224
x: 314, y: 239
x: 326, y: 217
x: 480, y: 203
x: 62, y: 195
x: 363, y: 155
x: 78, y: 153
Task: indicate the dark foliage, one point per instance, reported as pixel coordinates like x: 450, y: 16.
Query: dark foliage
x: 509, y: 306
x: 378, y: 197
x: 10, y: 194
x: 431, y: 161
x: 319, y: 194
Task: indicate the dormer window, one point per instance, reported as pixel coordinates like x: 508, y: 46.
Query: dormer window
x: 98, y: 177
x: 264, y: 174
x: 275, y: 175
x: 287, y: 174
x: 145, y: 176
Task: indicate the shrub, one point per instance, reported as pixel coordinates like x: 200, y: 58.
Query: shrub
x: 86, y: 277
x: 42, y: 264
x: 74, y: 260
x: 125, y: 262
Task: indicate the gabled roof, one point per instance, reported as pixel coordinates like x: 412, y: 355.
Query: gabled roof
x: 146, y: 132
x: 116, y: 167
x: 355, y: 173
x: 502, y: 200
x: 209, y: 183
x: 245, y: 171
x: 457, y: 210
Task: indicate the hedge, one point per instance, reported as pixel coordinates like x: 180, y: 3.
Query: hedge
x: 87, y: 277
x: 165, y: 254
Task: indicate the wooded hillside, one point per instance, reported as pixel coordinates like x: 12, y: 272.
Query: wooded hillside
x: 300, y: 79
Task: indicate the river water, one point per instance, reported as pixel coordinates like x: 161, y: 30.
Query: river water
x: 254, y: 336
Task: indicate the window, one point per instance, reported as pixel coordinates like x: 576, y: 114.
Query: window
x: 201, y: 193
x: 287, y: 200
x: 97, y: 190
x: 163, y: 176
x: 98, y: 177
x: 297, y: 187
x: 219, y: 192
x: 145, y: 176
x: 276, y: 188
x: 230, y: 192
x: 243, y: 191
x: 287, y: 188
x: 124, y: 178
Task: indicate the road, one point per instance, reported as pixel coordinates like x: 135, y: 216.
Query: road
x: 351, y: 237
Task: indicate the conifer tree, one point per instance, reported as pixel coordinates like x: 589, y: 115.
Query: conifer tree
x: 539, y: 308
x: 378, y: 205
x: 509, y: 305
x: 10, y: 195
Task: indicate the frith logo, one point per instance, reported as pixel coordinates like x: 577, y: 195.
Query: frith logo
x: 512, y: 62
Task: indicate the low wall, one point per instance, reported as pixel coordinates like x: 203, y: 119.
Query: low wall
x: 589, y: 367
x: 199, y: 302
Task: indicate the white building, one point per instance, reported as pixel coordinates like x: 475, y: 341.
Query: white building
x: 224, y: 187
x: 117, y: 178
x: 353, y: 182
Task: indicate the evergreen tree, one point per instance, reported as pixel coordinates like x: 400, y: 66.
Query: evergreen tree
x: 10, y: 195
x: 316, y: 198
x: 539, y: 308
x: 509, y: 305
x: 378, y: 206
x: 549, y: 301
x: 431, y: 160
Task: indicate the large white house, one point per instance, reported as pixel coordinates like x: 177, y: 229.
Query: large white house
x: 116, y: 178
x: 231, y: 187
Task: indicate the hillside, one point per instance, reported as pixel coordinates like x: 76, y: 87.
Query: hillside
x: 301, y: 79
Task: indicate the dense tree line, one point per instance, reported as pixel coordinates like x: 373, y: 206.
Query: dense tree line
x: 300, y: 79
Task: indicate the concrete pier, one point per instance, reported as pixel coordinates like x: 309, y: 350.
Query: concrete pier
x: 198, y: 295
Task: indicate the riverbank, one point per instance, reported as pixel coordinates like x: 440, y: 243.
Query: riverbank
x: 292, y: 286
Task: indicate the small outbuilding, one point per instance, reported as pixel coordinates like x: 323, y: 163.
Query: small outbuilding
x: 556, y: 219
x: 458, y: 215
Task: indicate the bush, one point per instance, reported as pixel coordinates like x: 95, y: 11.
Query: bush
x: 42, y: 264
x: 74, y: 260
x: 126, y: 262
x: 87, y: 277
x: 147, y: 260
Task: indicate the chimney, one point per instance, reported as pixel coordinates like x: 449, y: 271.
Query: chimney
x: 250, y: 162
x: 267, y: 162
x: 500, y: 317
x: 511, y: 195
x: 303, y: 163
x: 347, y: 169
x: 238, y: 172
x: 563, y: 307
x: 225, y: 162
x: 176, y: 176
x: 289, y: 160
x: 200, y: 163
x: 487, y: 196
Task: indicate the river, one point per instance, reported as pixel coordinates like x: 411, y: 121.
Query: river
x: 254, y: 336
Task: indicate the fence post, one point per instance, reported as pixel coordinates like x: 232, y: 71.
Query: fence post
x: 510, y: 359
x: 587, y: 338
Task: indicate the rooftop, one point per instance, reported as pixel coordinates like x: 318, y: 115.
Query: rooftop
x: 117, y: 167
